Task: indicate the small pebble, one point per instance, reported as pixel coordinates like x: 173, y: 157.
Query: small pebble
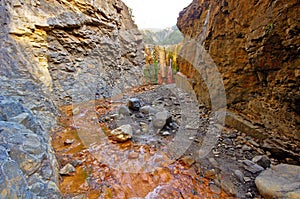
x: 166, y: 133
x: 211, y: 174
x: 249, y: 194
x: 133, y: 155
x: 247, y: 179
x: 69, y: 141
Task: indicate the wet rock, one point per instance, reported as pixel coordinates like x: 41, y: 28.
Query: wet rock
x: 114, y: 116
x: 133, y: 155
x: 188, y: 161
x: 232, y: 135
x: 134, y: 104
x: 247, y: 179
x: 148, y: 110
x: 262, y: 160
x: 69, y: 141
x: 210, y: 174
x: 77, y: 162
x: 252, y: 142
x: 123, y: 111
x: 107, y: 119
x: 82, y: 196
x: 239, y: 175
x: 122, y: 133
x: 161, y: 119
x: 252, y: 167
x: 227, y: 141
x: 249, y: 195
x: 281, y: 181
x: 145, y: 127
x: 214, y: 162
x: 191, y: 127
x: 227, y: 185
x: 215, y: 189
x: 67, y: 169
x: 165, y: 133
x: 76, y: 111
x: 246, y: 148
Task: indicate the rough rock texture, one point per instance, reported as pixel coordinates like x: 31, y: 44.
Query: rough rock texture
x: 52, y: 53
x: 27, y: 166
x: 281, y: 181
x: 76, y: 49
x: 255, y: 46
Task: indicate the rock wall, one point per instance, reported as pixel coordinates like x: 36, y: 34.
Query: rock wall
x: 255, y: 45
x: 28, y: 168
x: 70, y: 44
x: 52, y: 53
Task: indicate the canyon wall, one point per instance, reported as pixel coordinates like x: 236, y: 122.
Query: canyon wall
x: 255, y: 46
x: 52, y: 53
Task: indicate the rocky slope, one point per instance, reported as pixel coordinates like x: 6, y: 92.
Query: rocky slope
x: 53, y: 53
x: 255, y: 46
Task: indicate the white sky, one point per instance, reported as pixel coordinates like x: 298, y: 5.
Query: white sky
x: 156, y: 13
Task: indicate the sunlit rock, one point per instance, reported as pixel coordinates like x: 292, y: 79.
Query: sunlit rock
x: 122, y: 133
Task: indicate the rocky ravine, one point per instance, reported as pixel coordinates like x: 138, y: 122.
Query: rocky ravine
x: 255, y: 46
x: 53, y: 53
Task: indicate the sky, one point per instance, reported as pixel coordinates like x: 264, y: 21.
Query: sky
x: 156, y: 13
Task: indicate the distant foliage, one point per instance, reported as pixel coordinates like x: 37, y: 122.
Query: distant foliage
x: 168, y: 36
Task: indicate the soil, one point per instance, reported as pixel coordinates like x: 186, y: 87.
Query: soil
x: 147, y: 166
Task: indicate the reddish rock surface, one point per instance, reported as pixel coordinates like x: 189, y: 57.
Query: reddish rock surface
x: 255, y: 46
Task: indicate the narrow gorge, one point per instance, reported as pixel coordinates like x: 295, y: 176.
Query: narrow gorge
x: 89, y: 110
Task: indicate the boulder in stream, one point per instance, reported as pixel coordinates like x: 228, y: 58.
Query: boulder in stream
x: 280, y: 181
x: 134, y: 104
x: 161, y: 119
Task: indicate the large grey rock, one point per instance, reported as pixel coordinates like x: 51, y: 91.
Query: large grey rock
x: 161, y: 119
x: 148, y: 110
x: 123, y: 111
x: 240, y: 176
x: 252, y: 167
x: 281, y: 181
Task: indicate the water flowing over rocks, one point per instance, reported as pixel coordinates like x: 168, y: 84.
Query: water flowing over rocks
x: 57, y: 55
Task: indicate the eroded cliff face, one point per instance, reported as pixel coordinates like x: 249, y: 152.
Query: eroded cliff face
x: 255, y: 45
x: 70, y: 44
x: 52, y: 53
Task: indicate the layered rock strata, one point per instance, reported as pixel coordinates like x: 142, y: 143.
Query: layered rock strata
x: 255, y: 47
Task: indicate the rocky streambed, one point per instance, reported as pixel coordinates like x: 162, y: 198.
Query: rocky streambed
x: 144, y: 144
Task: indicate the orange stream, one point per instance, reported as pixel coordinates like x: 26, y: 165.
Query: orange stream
x: 97, y: 179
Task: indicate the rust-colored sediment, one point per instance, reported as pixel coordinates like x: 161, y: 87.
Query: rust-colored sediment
x: 97, y: 179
